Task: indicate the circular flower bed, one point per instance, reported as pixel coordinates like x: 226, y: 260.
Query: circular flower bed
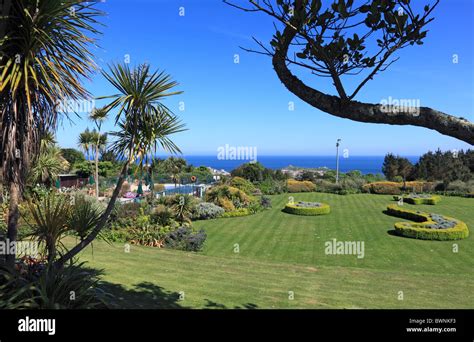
x: 307, y: 208
x: 428, y: 226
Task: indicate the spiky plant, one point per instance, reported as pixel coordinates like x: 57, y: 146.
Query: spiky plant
x: 45, y: 50
x: 144, y: 122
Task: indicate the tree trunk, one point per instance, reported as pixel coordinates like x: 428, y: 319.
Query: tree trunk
x: 103, y: 221
x: 51, y: 251
x: 13, y: 215
x: 97, y: 171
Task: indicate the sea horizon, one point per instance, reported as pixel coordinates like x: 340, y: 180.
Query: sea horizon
x: 365, y: 164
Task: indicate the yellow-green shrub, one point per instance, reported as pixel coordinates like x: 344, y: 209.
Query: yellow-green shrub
x: 243, y: 184
x: 396, y: 188
x: 300, y: 186
x: 293, y: 208
x: 237, y: 213
x: 226, y: 196
x: 158, y: 187
x: 431, y: 200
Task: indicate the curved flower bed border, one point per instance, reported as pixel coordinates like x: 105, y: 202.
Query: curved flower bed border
x: 423, y: 229
x: 295, y: 209
x: 419, y: 199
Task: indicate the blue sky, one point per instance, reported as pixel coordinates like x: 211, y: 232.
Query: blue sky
x: 245, y: 104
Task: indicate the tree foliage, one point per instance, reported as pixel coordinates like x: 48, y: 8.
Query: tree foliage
x: 342, y: 38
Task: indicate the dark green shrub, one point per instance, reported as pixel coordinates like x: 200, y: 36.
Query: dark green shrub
x: 272, y: 187
x: 70, y: 287
x: 185, y: 239
x: 128, y: 210
x: 265, y: 202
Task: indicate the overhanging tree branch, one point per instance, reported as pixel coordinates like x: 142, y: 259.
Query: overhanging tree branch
x: 366, y: 112
x: 327, y: 48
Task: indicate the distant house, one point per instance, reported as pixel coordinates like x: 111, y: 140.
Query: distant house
x: 72, y: 180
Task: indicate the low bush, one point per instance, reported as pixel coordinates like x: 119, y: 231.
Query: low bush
x: 206, y: 211
x: 397, y: 188
x: 31, y: 287
x: 427, y: 226
x: 384, y: 188
x: 307, y: 208
x: 272, y: 186
x: 149, y: 235
x: 128, y: 210
x: 265, y: 202
x: 460, y: 187
x: 243, y: 184
x: 125, y: 188
x: 185, y: 239
x: 237, y: 213
x: 158, y: 187
x: 323, y: 185
x: 300, y: 186
x: 162, y: 215
x: 228, y: 197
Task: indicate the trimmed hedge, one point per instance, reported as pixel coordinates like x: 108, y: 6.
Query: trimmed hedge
x: 236, y: 213
x: 307, y: 211
x: 396, y: 188
x: 421, y: 230
x: 293, y: 185
x: 431, y: 200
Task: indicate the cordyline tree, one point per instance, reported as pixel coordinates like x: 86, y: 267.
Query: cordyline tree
x: 145, y: 124
x: 349, y: 37
x: 44, y: 53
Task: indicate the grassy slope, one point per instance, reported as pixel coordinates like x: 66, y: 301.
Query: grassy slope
x: 281, y: 252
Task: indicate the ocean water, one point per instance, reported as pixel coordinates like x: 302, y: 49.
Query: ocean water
x: 365, y: 164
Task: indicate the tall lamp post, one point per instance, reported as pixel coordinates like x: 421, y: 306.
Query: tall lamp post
x: 337, y: 160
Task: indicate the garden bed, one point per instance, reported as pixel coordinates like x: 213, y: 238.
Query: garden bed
x: 419, y: 199
x: 307, y: 208
x: 428, y: 226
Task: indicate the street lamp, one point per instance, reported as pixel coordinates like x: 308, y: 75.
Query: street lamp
x: 337, y: 160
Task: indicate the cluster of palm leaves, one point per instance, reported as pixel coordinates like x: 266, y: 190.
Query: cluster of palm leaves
x: 57, y: 215
x: 144, y: 124
x: 49, y: 164
x: 94, y: 142
x: 71, y: 287
x: 45, y: 53
x: 45, y: 50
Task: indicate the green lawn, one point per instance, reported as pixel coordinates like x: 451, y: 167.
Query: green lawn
x: 282, y: 255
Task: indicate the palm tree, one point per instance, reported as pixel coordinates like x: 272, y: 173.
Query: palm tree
x: 45, y: 51
x: 98, y: 116
x: 47, y: 167
x: 85, y: 142
x: 144, y: 122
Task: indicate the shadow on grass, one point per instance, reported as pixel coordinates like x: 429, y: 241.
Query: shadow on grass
x: 213, y: 305
x: 147, y: 295
x: 144, y: 295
